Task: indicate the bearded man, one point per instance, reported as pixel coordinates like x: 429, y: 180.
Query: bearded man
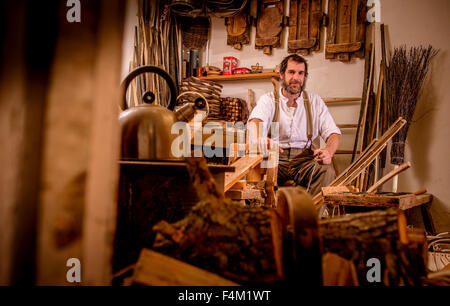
x: 301, y: 118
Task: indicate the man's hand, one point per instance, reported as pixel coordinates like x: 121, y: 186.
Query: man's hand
x: 264, y: 145
x: 323, y: 156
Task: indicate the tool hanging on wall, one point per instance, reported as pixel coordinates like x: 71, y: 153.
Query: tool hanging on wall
x: 269, y: 25
x: 238, y: 29
x: 346, y: 29
x: 305, y: 18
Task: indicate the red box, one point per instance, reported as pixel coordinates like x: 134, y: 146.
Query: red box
x: 229, y: 64
x: 241, y: 71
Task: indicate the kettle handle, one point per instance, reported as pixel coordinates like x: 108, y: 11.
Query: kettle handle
x: 143, y: 69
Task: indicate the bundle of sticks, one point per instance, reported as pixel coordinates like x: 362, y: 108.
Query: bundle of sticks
x: 405, y: 76
x: 156, y: 44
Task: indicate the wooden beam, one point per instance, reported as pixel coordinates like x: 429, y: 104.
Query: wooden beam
x: 388, y: 176
x: 239, y: 185
x: 99, y: 223
x: 245, y: 194
x: 242, y: 166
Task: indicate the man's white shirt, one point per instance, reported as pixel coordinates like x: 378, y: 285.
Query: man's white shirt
x: 292, y: 120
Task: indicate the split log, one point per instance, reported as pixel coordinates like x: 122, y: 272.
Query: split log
x: 243, y: 243
x: 155, y: 269
x: 231, y: 240
x: 359, y: 237
x: 220, y: 236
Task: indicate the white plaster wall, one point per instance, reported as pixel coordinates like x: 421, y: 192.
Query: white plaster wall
x: 128, y: 36
x: 415, y: 22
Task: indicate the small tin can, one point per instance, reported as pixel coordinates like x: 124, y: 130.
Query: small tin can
x: 229, y: 65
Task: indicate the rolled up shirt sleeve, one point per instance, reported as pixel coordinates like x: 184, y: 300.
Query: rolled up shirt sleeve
x: 264, y: 110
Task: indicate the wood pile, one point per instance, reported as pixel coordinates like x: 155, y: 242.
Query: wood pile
x: 359, y: 237
x: 247, y: 244
x: 220, y: 236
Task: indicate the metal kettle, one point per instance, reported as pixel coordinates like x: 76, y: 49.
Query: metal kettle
x: 146, y: 128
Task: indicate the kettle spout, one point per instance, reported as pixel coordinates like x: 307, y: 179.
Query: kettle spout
x: 187, y: 111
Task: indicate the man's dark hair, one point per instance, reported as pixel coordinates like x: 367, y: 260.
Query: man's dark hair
x: 296, y: 58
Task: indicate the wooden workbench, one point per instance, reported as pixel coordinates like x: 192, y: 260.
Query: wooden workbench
x: 403, y: 201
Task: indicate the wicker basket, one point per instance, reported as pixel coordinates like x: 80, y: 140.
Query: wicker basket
x: 233, y: 109
x: 195, y: 32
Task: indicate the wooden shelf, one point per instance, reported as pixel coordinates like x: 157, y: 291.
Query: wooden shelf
x: 242, y: 77
x: 173, y: 165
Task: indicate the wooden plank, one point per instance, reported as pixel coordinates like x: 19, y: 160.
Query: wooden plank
x: 420, y: 200
x: 345, y: 19
x: 344, y: 47
x: 255, y: 174
x: 69, y: 154
x: 403, y: 202
x: 332, y: 26
x: 341, y: 100
x: 243, y: 166
x: 242, y: 77
x: 347, y: 126
x: 363, y: 99
x: 271, y: 182
x: 303, y: 20
x: 99, y: 222
x: 338, y: 189
x: 368, y: 91
x: 316, y: 18
x: 239, y: 185
x: 354, y: 17
x: 156, y: 269
x: 368, y: 200
x: 176, y: 165
x: 375, y: 118
x: 388, y: 176
x: 302, y: 44
x: 361, y: 25
x: 246, y: 194
x: 293, y: 7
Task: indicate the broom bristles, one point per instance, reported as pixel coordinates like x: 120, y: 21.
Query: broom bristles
x: 405, y: 76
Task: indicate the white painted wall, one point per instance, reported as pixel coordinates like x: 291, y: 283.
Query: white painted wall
x: 415, y: 22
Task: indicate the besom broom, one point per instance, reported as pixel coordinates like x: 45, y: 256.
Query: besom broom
x: 405, y: 76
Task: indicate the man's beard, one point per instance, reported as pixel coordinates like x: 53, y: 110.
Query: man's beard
x: 289, y: 88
